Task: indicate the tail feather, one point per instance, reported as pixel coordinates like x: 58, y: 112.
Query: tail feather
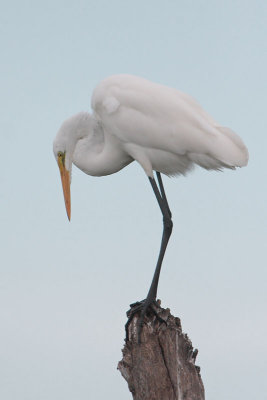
x: 236, y: 153
x: 226, y: 150
x: 208, y: 162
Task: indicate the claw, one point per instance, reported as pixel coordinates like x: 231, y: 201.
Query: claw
x: 158, y: 317
x: 145, y: 307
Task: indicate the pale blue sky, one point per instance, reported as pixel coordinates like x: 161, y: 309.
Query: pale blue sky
x: 60, y: 279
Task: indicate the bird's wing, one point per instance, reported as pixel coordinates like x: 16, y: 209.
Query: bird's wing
x: 154, y: 116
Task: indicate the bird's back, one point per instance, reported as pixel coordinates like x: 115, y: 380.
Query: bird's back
x: 156, y: 117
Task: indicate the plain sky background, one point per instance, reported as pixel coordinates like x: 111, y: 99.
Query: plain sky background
x: 65, y: 287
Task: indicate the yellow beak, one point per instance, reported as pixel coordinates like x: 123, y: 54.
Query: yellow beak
x: 65, y: 179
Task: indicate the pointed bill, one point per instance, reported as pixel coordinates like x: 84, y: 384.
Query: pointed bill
x: 65, y: 179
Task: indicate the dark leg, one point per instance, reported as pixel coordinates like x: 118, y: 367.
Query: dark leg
x: 162, y: 191
x: 148, y: 303
x: 167, y: 230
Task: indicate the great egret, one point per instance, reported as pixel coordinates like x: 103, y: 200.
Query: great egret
x: 163, y: 129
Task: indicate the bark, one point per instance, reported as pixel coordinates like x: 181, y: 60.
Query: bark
x: 163, y: 366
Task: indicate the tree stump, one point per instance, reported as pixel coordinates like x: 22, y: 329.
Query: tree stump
x: 162, y: 366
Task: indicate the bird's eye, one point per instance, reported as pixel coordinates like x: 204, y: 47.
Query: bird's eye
x: 60, y: 154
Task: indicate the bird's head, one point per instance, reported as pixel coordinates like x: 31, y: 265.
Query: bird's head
x: 73, y: 129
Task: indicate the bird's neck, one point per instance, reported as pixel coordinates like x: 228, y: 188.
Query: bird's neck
x: 99, y: 154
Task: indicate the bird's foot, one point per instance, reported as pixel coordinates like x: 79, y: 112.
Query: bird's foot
x: 144, y: 307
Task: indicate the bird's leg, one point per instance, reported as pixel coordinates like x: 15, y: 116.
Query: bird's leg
x: 150, y: 300
x: 167, y: 230
x: 162, y: 191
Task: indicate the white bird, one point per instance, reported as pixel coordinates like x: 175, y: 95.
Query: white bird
x: 161, y: 128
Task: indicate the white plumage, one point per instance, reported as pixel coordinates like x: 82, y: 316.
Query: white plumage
x: 161, y: 128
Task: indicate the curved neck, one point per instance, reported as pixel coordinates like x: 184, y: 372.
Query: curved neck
x: 100, y: 153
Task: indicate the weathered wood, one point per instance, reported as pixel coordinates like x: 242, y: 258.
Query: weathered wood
x: 163, y: 366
